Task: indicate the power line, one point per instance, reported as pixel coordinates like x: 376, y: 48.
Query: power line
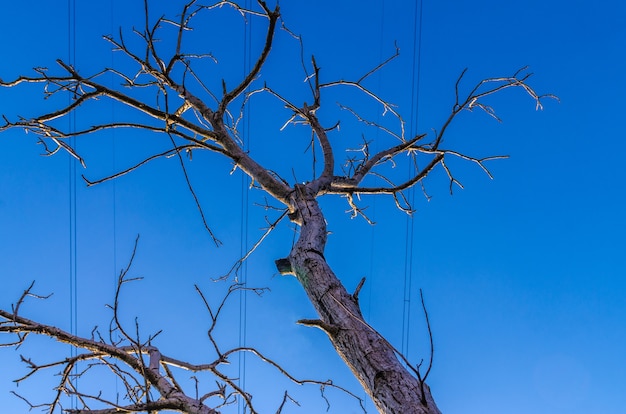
x: 114, y: 183
x: 242, y: 272
x: 375, y: 150
x: 373, y: 205
x: 73, y: 263
x: 410, y: 221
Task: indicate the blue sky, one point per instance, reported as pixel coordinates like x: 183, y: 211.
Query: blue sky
x: 523, y: 275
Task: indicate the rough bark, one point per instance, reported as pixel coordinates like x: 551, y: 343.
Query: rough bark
x: 371, y: 358
x: 374, y: 362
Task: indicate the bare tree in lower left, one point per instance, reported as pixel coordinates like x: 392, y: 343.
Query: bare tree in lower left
x: 150, y: 380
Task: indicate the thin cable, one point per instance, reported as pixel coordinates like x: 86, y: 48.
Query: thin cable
x: 242, y: 273
x: 113, y: 159
x: 114, y: 183
x: 410, y: 221
x: 374, y: 150
x: 73, y: 263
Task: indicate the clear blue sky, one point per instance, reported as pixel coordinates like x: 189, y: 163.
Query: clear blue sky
x: 524, y: 275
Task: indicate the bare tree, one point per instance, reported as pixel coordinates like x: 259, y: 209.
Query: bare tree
x: 175, y: 100
x: 150, y: 379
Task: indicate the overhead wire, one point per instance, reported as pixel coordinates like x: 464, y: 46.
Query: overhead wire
x: 114, y: 183
x: 410, y: 220
x: 375, y: 146
x: 242, y: 272
x: 113, y: 159
x: 73, y: 262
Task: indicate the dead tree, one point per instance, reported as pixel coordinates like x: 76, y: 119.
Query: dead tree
x: 195, y: 117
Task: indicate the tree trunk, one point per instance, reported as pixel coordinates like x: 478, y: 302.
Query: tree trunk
x: 370, y: 357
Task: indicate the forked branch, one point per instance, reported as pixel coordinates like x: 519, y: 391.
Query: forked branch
x: 138, y: 364
x: 431, y: 153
